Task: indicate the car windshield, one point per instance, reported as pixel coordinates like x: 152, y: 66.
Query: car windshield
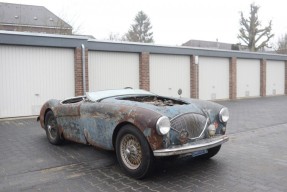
x: 99, y: 95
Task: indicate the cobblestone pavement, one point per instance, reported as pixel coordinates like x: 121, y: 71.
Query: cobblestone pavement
x: 255, y: 158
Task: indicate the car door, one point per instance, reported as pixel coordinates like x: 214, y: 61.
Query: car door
x: 68, y: 118
x: 98, y: 123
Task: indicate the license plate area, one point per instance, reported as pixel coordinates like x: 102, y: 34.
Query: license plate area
x: 198, y: 153
x: 194, y: 154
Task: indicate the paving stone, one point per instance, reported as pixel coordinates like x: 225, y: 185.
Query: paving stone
x: 254, y: 159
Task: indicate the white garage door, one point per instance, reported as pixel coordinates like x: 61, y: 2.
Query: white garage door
x: 275, y: 77
x: 169, y: 73
x: 248, y: 78
x: 213, y: 78
x: 113, y: 70
x: 29, y: 76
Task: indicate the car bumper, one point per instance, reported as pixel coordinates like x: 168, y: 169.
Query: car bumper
x: 191, y: 147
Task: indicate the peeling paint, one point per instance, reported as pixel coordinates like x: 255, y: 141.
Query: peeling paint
x: 94, y: 123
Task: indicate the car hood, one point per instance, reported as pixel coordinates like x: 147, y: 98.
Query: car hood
x: 205, y: 108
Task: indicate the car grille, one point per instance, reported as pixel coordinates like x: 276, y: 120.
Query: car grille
x: 190, y: 125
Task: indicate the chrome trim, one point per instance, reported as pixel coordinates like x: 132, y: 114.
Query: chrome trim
x: 220, y: 115
x: 203, y: 130
x: 157, y: 125
x: 191, y: 147
x: 185, y: 114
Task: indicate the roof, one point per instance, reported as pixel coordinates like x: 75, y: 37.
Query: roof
x: 29, y: 15
x: 208, y: 44
x: 70, y: 41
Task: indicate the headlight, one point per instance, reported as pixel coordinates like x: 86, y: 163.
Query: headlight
x: 223, y: 115
x: 163, y: 125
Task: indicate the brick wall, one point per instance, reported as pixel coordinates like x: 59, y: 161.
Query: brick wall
x: 262, y: 77
x: 193, y: 78
x: 232, y: 78
x: 79, y: 72
x: 144, y: 71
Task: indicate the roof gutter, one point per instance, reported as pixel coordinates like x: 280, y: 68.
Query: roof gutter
x: 84, y: 69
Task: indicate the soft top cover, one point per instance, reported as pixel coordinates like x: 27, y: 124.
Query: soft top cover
x: 99, y: 95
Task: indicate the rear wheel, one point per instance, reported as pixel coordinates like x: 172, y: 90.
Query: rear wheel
x: 52, y: 130
x: 211, y: 152
x: 133, y: 152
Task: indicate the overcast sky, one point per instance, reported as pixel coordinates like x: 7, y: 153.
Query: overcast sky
x: 174, y: 22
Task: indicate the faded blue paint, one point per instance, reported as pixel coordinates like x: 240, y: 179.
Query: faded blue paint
x: 94, y: 122
x: 147, y: 132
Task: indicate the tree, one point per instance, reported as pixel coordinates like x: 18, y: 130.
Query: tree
x: 281, y: 47
x: 114, y: 37
x: 72, y: 20
x: 251, y: 33
x: 140, y: 31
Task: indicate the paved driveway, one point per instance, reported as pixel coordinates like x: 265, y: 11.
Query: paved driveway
x: 255, y: 158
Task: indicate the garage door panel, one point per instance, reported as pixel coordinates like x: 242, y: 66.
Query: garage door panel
x: 29, y: 76
x: 248, y: 78
x: 275, y: 77
x: 213, y: 78
x: 169, y: 73
x: 113, y: 70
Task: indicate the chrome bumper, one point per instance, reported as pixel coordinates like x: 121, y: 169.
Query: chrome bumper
x: 191, y: 147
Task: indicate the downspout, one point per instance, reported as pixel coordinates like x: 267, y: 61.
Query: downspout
x: 84, y: 69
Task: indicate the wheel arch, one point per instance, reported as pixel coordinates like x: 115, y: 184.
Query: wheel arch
x: 120, y: 126
x: 117, y: 129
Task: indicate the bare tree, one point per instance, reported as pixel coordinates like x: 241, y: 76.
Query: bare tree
x: 281, y: 46
x: 114, y: 37
x: 251, y: 33
x: 64, y: 19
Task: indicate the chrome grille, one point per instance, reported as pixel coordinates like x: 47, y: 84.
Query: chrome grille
x: 192, y: 123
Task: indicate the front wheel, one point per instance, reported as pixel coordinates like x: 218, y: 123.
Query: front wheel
x: 133, y: 152
x: 52, y: 130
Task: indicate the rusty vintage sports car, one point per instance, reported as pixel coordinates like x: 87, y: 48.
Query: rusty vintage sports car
x: 140, y: 126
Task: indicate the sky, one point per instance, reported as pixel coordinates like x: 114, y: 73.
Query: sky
x: 173, y: 22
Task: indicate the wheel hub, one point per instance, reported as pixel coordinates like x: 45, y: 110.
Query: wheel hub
x: 49, y: 128
x: 131, y: 151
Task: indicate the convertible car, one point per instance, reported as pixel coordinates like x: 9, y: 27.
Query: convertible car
x: 140, y: 126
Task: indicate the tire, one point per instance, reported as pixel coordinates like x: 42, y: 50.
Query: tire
x: 52, y: 130
x: 211, y: 152
x: 133, y: 152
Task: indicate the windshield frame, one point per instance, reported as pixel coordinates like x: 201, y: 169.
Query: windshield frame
x: 100, y: 95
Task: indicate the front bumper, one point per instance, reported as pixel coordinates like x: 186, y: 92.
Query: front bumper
x: 191, y: 147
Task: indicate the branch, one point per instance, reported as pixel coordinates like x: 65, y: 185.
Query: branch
x: 264, y: 43
x: 244, y: 22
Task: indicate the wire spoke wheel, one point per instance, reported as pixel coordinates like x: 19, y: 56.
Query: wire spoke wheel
x: 51, y: 127
x: 133, y: 152
x: 130, y: 150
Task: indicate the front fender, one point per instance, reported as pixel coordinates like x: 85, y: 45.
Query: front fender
x: 146, y: 120
x: 49, y: 105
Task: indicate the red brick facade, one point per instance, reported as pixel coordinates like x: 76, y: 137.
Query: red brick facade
x: 232, y: 78
x: 79, y: 72
x: 262, y: 77
x: 193, y: 78
x: 144, y: 71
